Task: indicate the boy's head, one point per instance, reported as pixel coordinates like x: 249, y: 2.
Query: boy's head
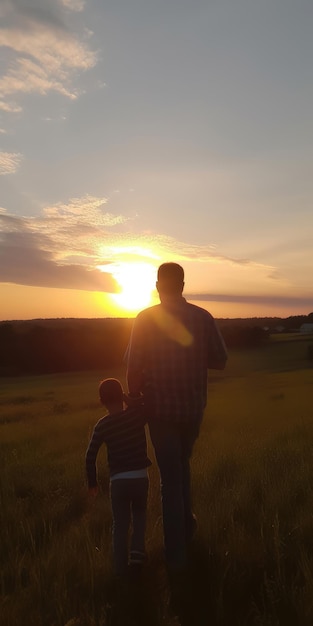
x: 111, y: 392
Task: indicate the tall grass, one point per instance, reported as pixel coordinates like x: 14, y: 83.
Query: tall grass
x: 252, y: 559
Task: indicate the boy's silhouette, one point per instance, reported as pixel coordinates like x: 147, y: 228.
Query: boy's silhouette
x: 123, y: 432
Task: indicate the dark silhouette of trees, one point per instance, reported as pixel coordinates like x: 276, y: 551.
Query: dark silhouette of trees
x: 63, y: 345
x: 244, y: 336
x: 39, y: 348
x: 8, y: 341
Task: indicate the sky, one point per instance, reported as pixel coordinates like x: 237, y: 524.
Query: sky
x: 138, y: 132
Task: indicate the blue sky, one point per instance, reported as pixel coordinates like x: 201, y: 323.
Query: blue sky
x: 150, y: 131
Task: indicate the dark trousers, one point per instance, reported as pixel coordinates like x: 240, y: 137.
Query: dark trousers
x: 173, y: 445
x: 129, y: 503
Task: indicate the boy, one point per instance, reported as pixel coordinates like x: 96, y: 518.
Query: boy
x: 123, y: 432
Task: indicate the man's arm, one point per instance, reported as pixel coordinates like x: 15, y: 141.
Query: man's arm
x: 217, y: 353
x: 135, y: 359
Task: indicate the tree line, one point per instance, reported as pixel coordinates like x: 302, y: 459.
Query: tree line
x: 62, y: 345
x: 41, y: 348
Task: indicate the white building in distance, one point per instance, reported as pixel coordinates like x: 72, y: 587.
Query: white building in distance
x: 306, y: 328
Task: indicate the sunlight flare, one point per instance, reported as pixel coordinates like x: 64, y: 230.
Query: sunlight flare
x: 137, y: 283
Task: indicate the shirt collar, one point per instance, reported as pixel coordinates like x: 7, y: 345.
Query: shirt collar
x: 173, y: 302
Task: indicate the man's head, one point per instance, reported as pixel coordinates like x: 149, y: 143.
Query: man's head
x: 170, y: 279
x: 111, y: 392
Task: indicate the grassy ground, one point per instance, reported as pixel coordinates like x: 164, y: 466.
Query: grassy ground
x: 252, y: 560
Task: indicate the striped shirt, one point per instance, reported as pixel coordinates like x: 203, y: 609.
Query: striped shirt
x: 125, y: 438
x: 171, y: 349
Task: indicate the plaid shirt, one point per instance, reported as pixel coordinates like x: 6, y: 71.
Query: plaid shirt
x: 171, y: 348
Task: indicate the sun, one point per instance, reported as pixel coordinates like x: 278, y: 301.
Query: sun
x: 137, y: 282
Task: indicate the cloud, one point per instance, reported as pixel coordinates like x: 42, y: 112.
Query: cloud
x: 10, y: 107
x: 79, y: 227
x: 39, y: 251
x: 280, y: 300
x: 182, y: 251
x: 9, y: 162
x: 44, y: 55
x: 87, y: 208
x: 69, y: 243
x: 73, y: 5
x: 24, y: 262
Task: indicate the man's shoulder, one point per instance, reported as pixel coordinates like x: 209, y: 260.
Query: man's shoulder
x: 149, y: 310
x: 148, y: 313
x: 199, y: 311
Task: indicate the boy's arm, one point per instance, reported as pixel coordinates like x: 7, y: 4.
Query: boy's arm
x: 91, y: 457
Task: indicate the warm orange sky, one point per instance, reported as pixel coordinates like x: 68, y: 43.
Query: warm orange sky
x: 23, y: 302
x: 138, y: 133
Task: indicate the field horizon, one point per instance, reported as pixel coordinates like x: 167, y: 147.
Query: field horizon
x: 104, y: 317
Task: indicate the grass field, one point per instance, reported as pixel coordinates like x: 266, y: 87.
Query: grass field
x: 252, y: 559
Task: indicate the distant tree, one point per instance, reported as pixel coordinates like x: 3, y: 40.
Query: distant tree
x: 244, y: 336
x: 310, y: 352
x: 8, y: 341
x: 48, y: 346
x: 294, y: 322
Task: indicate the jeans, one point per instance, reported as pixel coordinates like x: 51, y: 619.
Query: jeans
x: 129, y: 502
x: 173, y: 445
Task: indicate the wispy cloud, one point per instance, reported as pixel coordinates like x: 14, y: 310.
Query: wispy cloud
x: 182, y: 251
x: 10, y: 107
x: 74, y: 240
x: 280, y: 300
x: 73, y: 5
x: 9, y: 162
x: 44, y: 54
x: 82, y: 226
x: 24, y: 261
x: 40, y: 251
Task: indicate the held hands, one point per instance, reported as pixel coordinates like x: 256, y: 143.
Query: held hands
x: 133, y: 399
x: 93, y: 492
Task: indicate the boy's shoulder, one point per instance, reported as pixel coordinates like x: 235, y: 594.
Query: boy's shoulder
x: 130, y: 412
x: 105, y: 421
x: 109, y: 418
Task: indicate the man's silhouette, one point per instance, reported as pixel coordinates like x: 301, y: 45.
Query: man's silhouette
x: 173, y: 344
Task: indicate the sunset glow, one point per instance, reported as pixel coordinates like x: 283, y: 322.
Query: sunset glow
x: 137, y: 282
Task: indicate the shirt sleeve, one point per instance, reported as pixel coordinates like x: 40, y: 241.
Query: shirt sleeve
x: 91, y: 457
x: 217, y: 353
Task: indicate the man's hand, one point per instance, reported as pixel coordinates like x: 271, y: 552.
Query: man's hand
x: 133, y: 399
x: 93, y: 492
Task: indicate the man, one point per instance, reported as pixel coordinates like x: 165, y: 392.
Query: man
x: 172, y: 346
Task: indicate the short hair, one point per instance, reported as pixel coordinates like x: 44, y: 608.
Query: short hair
x: 171, y: 277
x: 110, y: 390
